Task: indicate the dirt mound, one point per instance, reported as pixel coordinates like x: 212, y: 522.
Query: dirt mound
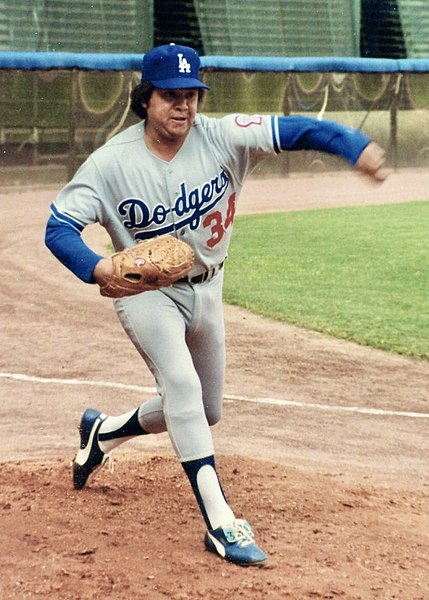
x: 136, y: 533
x: 323, y: 446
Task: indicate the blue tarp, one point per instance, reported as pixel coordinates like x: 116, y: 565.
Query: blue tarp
x: 132, y: 62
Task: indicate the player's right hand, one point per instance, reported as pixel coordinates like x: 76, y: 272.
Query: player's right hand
x: 371, y: 162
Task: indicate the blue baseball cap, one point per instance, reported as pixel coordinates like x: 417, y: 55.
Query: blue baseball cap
x: 172, y: 67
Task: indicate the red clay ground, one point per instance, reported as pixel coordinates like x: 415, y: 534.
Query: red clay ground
x: 334, y: 481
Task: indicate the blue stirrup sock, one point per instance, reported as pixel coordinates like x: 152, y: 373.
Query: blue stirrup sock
x: 208, y: 492
x: 117, y: 430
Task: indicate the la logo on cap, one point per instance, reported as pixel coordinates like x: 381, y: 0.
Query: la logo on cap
x: 184, y: 66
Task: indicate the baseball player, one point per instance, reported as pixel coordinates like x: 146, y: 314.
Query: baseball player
x: 179, y: 173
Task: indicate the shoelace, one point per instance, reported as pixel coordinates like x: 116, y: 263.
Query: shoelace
x: 108, y: 460
x: 243, y: 532
x: 110, y: 463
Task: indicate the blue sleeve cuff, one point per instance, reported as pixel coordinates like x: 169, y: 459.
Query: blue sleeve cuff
x: 307, y: 133
x: 66, y: 244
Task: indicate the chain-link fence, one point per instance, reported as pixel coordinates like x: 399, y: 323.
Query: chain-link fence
x: 57, y: 117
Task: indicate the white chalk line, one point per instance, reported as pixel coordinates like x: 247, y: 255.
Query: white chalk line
x: 230, y: 398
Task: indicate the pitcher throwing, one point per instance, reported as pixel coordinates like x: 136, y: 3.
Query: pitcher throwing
x: 179, y: 173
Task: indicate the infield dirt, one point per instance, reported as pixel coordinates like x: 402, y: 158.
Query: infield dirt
x: 334, y: 482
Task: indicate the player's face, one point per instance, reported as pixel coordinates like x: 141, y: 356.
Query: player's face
x: 170, y: 114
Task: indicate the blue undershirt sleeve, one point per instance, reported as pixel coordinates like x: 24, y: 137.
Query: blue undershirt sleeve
x: 66, y: 244
x: 307, y: 133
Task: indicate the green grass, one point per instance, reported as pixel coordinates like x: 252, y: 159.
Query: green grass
x: 360, y: 274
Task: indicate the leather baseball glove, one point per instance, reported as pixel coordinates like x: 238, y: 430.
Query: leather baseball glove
x: 151, y: 264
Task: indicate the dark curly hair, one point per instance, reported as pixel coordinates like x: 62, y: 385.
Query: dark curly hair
x: 141, y: 95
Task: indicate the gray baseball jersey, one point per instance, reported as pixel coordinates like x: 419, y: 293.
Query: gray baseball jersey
x: 136, y: 195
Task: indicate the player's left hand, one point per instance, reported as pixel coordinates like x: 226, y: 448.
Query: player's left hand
x: 151, y: 264
x: 371, y: 162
